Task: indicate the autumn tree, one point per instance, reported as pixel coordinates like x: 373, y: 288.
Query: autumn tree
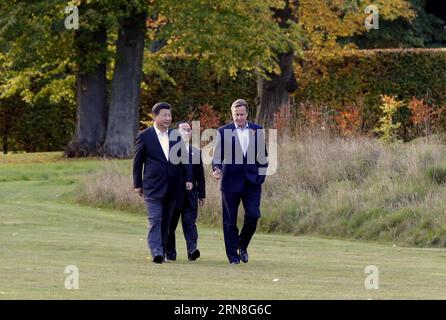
x: 323, y: 23
x: 90, y: 47
x: 123, y: 116
x: 426, y: 29
x: 274, y: 90
x: 103, y: 59
x: 230, y: 35
x: 38, y: 47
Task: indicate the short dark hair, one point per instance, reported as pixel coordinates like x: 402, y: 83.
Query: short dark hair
x: 181, y: 122
x: 159, y: 106
x: 240, y: 103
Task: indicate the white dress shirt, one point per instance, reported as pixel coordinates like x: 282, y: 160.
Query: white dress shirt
x: 163, y: 138
x: 243, y: 136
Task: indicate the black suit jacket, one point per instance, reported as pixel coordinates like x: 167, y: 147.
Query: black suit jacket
x: 198, y: 181
x: 159, y: 176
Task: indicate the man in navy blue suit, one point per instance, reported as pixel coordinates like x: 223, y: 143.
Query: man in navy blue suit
x: 240, y: 161
x: 162, y: 180
x: 189, y: 200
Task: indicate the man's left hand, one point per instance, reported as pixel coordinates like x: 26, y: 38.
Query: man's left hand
x: 189, y: 186
x: 201, y: 202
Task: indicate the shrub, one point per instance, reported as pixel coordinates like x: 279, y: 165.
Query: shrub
x: 424, y: 117
x: 206, y: 115
x: 387, y: 126
x: 437, y: 174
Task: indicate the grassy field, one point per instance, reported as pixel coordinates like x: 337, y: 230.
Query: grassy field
x: 43, y: 230
x: 358, y: 189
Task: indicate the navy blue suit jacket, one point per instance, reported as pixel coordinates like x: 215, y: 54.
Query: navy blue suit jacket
x: 238, y: 168
x: 159, y: 176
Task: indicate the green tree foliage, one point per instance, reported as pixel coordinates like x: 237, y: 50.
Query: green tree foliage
x: 326, y: 23
x: 195, y: 85
x: 42, y: 61
x: 36, y: 81
x: 424, y: 30
x: 323, y: 23
x: 36, y: 48
x: 231, y: 35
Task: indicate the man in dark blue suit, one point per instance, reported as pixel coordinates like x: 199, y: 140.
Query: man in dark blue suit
x: 189, y: 200
x: 240, y: 161
x: 162, y: 180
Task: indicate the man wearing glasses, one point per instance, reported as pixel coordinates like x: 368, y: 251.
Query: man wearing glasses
x: 189, y: 200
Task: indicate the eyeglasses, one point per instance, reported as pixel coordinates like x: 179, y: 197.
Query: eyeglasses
x: 187, y: 130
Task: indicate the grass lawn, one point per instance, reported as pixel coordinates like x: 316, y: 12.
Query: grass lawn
x: 42, y: 231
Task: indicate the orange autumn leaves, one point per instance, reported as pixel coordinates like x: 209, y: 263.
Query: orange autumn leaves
x: 317, y: 118
x: 424, y: 118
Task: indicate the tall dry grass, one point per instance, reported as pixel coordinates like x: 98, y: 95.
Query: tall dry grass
x: 110, y: 187
x: 356, y: 188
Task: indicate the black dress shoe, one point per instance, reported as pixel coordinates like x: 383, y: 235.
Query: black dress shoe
x: 243, y: 253
x: 194, y: 255
x: 235, y: 262
x: 158, y: 259
x: 168, y: 259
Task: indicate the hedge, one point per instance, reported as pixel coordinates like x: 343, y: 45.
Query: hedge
x: 358, y: 77
x: 364, y: 75
x: 196, y: 85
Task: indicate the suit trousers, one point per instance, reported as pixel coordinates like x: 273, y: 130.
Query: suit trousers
x: 188, y: 216
x: 159, y: 213
x: 250, y: 198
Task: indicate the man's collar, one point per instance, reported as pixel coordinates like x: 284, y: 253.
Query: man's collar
x: 158, y: 131
x: 245, y: 127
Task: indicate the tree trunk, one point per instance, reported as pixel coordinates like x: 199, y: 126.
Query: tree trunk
x: 91, y: 118
x: 275, y: 93
x: 124, y: 107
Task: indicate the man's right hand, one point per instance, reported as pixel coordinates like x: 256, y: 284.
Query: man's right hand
x: 139, y: 191
x: 217, y: 174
